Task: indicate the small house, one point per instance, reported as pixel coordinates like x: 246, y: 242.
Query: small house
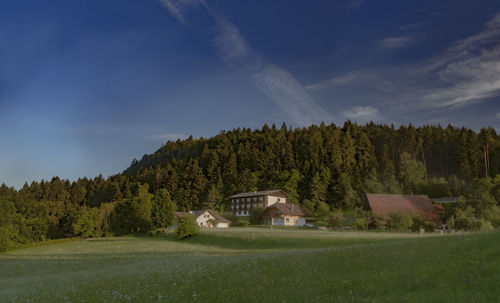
x: 285, y: 214
x: 206, y: 218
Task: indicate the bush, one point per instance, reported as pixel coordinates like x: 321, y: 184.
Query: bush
x: 419, y: 222
x: 400, y: 221
x: 361, y: 223
x: 465, y: 219
x: 186, y: 227
x: 493, y: 215
x: 255, y: 214
x: 241, y: 223
x: 335, y: 219
x: 377, y: 221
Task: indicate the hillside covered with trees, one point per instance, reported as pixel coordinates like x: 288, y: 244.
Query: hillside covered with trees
x: 321, y: 167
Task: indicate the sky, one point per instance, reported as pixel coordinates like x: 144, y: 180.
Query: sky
x: 86, y: 86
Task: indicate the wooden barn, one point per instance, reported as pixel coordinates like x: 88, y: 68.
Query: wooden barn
x: 285, y: 214
x: 384, y: 204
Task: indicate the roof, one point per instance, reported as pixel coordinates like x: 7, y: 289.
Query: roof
x: 198, y: 213
x: 383, y: 204
x: 259, y: 193
x: 445, y: 200
x: 289, y: 209
x: 439, y: 209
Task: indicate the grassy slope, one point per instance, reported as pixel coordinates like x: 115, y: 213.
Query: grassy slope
x: 245, y: 265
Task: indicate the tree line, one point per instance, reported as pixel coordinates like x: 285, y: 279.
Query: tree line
x: 322, y: 167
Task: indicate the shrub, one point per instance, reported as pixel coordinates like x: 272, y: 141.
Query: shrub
x: 400, y: 221
x: 493, y: 215
x: 377, y: 221
x: 186, y: 227
x: 255, y: 214
x: 241, y: 223
x: 361, y: 223
x: 420, y: 222
x: 335, y: 219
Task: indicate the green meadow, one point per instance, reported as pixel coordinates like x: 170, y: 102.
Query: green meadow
x: 258, y: 265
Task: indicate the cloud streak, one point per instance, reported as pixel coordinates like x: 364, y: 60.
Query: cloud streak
x: 393, y: 42
x: 273, y: 81
x: 466, y: 72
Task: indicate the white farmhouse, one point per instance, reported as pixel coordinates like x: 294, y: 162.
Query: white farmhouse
x: 206, y: 218
x: 285, y: 214
x: 242, y: 203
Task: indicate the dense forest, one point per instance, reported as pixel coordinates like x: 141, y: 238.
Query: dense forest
x: 322, y: 168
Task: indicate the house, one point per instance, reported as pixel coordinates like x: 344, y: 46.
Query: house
x: 206, y: 218
x: 285, y: 214
x: 384, y: 204
x: 242, y: 203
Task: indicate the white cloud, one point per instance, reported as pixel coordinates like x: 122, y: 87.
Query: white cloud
x: 178, y: 8
x: 357, y: 78
x: 275, y: 82
x: 363, y: 114
x: 468, y: 71
x: 393, y: 42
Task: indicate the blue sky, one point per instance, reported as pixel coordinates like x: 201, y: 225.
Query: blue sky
x: 86, y: 86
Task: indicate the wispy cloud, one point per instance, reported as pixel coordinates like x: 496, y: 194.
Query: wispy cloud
x: 178, y: 8
x: 468, y: 71
x: 412, y: 26
x: 275, y: 82
x: 356, y: 78
x: 393, y: 42
x: 353, y: 3
x: 363, y: 114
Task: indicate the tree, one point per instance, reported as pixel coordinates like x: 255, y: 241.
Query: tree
x: 135, y: 214
x: 186, y: 227
x: 411, y: 172
x: 163, y: 209
x: 85, y: 225
x: 335, y: 219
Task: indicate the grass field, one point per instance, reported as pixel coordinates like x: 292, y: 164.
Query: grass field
x: 258, y: 265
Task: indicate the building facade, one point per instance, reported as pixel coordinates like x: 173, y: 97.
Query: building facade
x: 206, y: 218
x: 285, y: 214
x: 242, y: 204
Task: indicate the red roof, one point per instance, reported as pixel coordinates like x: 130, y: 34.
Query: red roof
x: 439, y: 209
x: 383, y: 204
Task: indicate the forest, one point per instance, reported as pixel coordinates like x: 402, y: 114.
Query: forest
x: 322, y: 167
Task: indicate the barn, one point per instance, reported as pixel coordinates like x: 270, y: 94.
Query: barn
x: 385, y: 204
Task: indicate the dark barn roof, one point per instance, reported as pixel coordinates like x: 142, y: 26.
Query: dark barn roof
x: 383, y: 204
x: 288, y: 209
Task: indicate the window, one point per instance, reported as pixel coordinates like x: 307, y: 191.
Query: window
x: 261, y: 199
x: 287, y: 220
x: 278, y: 199
x: 237, y: 200
x: 248, y: 199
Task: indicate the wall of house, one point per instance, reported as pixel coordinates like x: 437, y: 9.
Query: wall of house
x: 223, y: 225
x: 270, y: 200
x: 203, y: 219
